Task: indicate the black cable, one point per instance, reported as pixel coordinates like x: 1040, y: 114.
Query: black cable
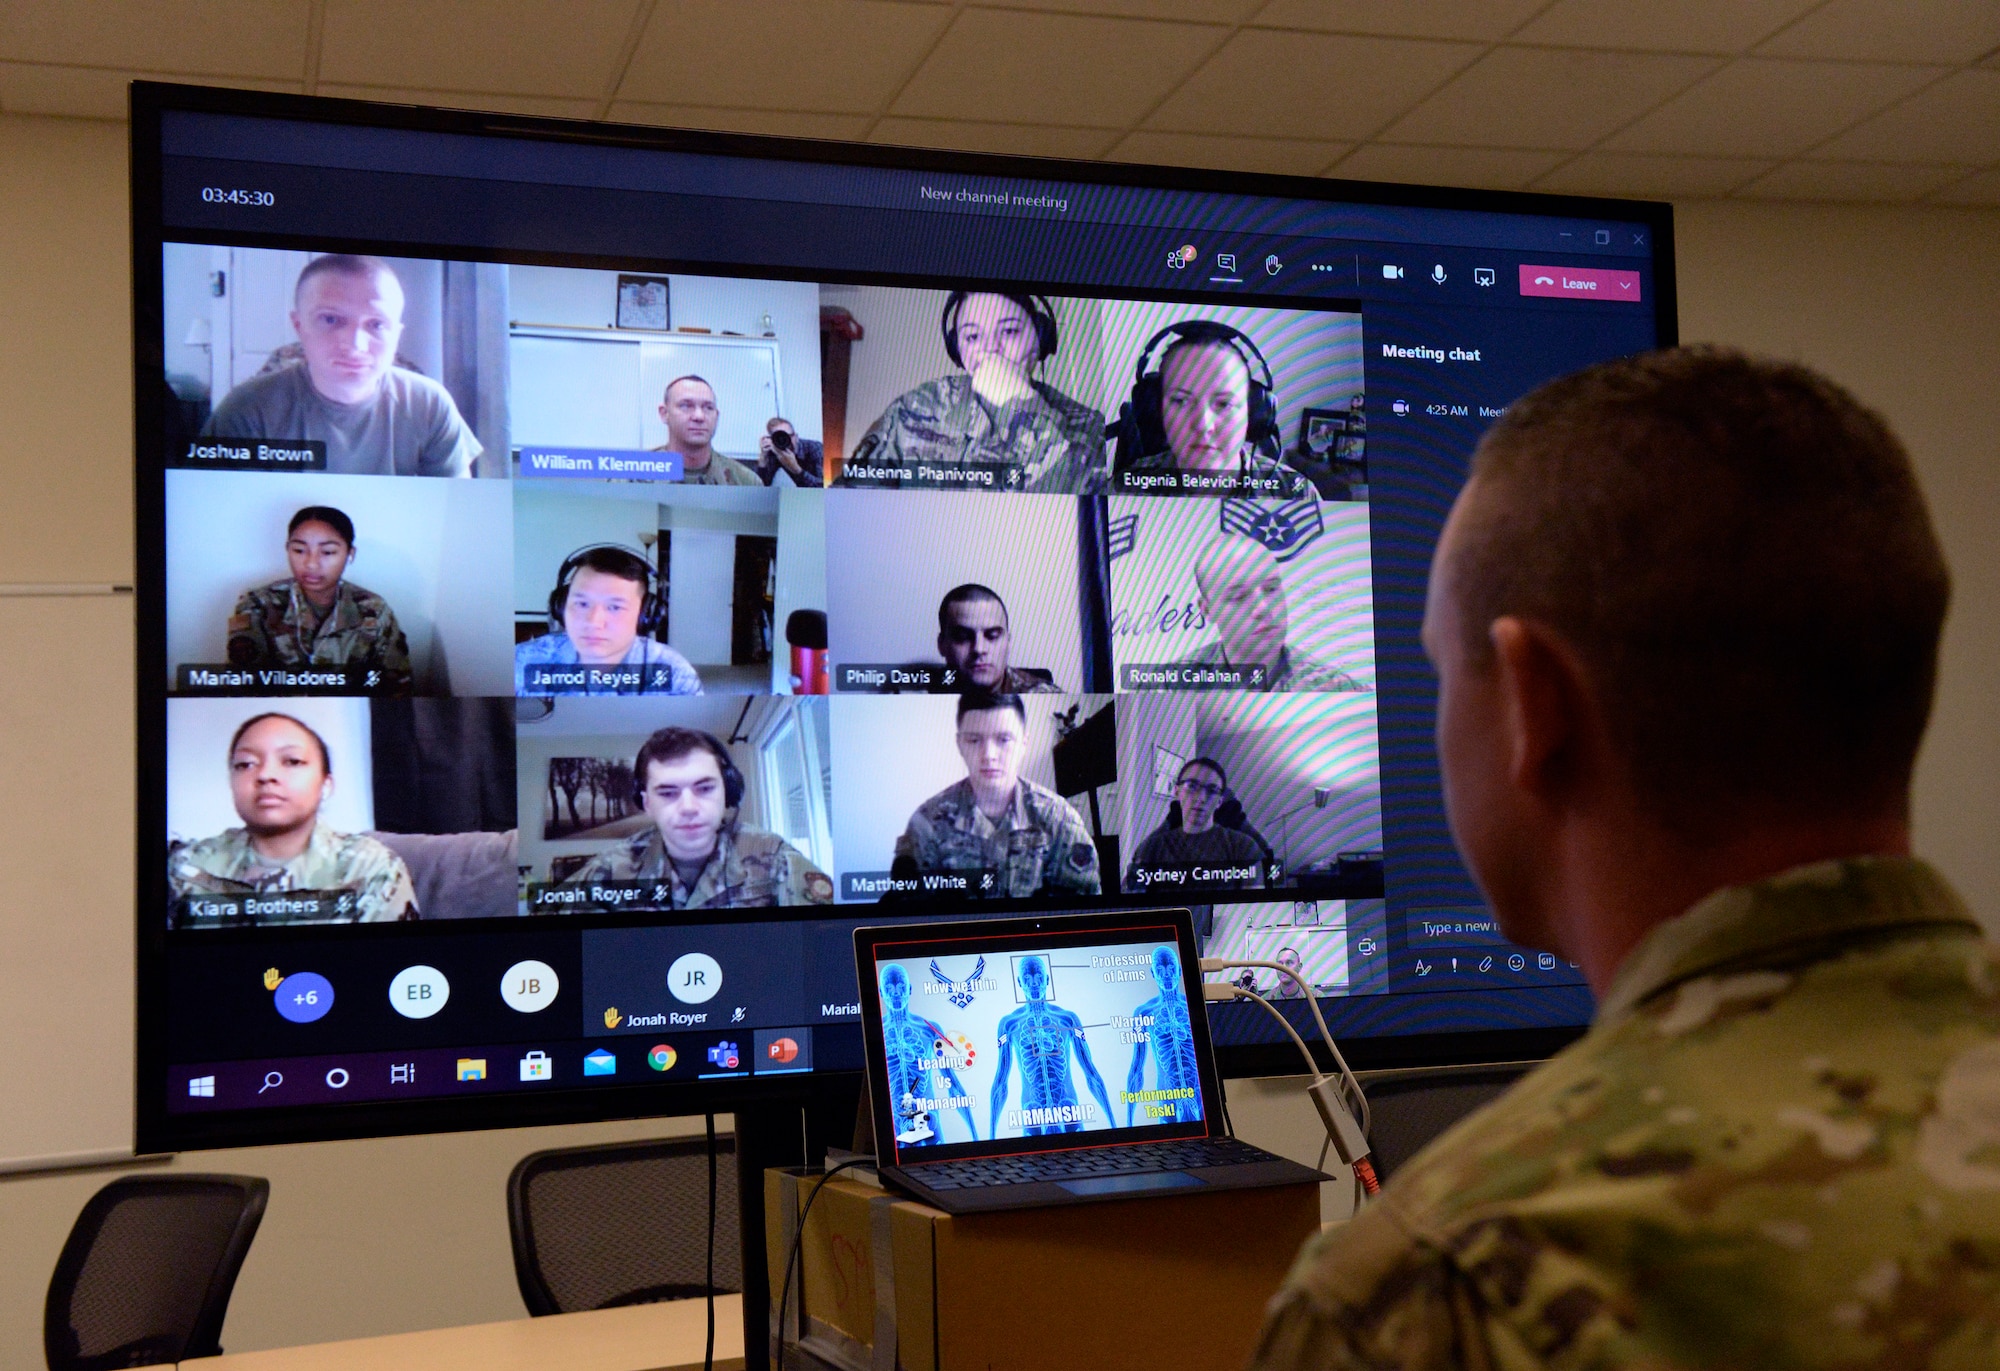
x: 708, y: 1356
x: 1222, y: 1098
x: 798, y: 1238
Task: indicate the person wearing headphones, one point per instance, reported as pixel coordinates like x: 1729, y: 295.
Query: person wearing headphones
x: 1190, y: 837
x: 280, y: 773
x: 1206, y: 416
x: 991, y: 413
x: 602, y: 613
x: 693, y: 792
x: 316, y: 616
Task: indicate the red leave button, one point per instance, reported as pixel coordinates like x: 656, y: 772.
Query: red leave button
x: 1580, y: 283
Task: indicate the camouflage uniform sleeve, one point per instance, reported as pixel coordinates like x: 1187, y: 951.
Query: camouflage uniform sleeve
x: 881, y: 447
x: 382, y: 887
x: 607, y: 865
x: 1072, y: 861
x: 248, y: 644
x: 915, y: 847
x: 392, y: 648
x: 804, y: 883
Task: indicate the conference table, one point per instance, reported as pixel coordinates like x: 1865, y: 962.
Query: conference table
x: 642, y: 1337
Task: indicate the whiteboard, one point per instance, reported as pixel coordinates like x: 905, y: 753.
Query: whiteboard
x: 66, y: 844
x: 602, y: 387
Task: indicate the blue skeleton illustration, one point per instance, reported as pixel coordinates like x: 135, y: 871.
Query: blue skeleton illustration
x: 1043, y: 1034
x: 1172, y: 1040
x: 913, y: 1046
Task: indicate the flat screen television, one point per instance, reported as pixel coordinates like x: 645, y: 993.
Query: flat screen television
x: 585, y: 571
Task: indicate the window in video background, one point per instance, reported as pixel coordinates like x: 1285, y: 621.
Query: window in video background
x: 394, y: 366
x: 1281, y: 584
x: 901, y: 772
x: 715, y: 551
x: 425, y: 585
x: 1013, y: 411
x: 581, y: 803
x: 581, y: 381
x: 412, y: 808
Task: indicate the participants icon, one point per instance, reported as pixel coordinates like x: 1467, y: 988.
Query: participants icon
x: 303, y: 997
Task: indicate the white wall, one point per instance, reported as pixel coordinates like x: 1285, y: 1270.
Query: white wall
x: 1277, y: 749
x: 198, y: 732
x: 721, y: 304
x: 800, y: 572
x: 1147, y: 723
x: 435, y: 550
x: 891, y: 556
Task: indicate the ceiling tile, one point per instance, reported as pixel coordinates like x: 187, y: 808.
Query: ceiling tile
x: 1956, y: 120
x: 91, y: 92
x: 1718, y: 26
x: 1309, y: 85
x: 548, y: 106
x: 1982, y: 189
x: 1485, y: 20
x: 1951, y: 31
x: 1286, y: 156
x: 1487, y: 168
x: 1194, y: 11
x: 1016, y: 140
x: 1760, y: 108
x: 838, y: 55
x: 562, y: 47
x: 1643, y: 176
x: 265, y: 38
x: 1054, y: 68
x: 776, y: 123
x: 1867, y: 182
x: 1546, y: 98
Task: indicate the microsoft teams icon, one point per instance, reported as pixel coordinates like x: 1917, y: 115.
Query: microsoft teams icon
x: 725, y: 1055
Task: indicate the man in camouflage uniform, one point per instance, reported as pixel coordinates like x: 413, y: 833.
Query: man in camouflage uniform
x: 993, y: 412
x: 315, y: 616
x: 1242, y: 592
x: 280, y: 775
x: 696, y: 848
x: 689, y: 411
x: 974, y: 638
x: 1676, y: 740
x: 997, y: 822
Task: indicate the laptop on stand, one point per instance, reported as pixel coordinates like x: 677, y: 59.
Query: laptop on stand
x: 1030, y: 1062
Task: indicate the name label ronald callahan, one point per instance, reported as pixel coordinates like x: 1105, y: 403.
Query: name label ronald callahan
x: 1055, y: 1114
x: 1182, y: 676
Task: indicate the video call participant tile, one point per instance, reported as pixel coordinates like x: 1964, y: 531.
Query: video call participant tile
x: 971, y: 389
x: 640, y: 588
x: 1240, y: 594
x: 957, y: 797
x: 935, y: 592
x: 328, y: 585
x: 1216, y: 400
x: 697, y: 804
x: 1243, y: 792
x: 303, y: 811
x: 282, y: 361
x: 693, y: 380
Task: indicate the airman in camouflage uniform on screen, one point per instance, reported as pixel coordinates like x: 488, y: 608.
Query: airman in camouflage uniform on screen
x: 274, y: 625
x: 750, y: 868
x: 350, y: 863
x: 1289, y: 673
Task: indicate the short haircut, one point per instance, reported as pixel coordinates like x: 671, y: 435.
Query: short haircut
x: 611, y: 561
x: 1220, y: 549
x: 342, y: 264
x: 670, y: 745
x: 771, y: 424
x: 969, y: 593
x: 323, y: 514
x: 976, y: 701
x: 678, y: 379
x: 1208, y: 762
x: 325, y: 757
x: 1738, y: 551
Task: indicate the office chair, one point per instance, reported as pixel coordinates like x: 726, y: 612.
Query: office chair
x: 146, y: 1274
x: 624, y: 1223
x: 1410, y: 1110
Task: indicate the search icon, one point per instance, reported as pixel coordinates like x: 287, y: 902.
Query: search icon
x: 272, y: 1080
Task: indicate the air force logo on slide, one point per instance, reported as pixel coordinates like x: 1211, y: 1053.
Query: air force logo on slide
x: 958, y: 992
x: 1285, y: 529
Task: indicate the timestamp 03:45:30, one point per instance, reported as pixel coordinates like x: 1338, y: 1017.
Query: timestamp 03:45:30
x: 222, y: 195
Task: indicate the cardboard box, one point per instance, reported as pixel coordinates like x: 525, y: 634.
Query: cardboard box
x: 1170, y: 1280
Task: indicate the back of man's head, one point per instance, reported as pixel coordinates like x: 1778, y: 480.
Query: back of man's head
x: 1738, y: 552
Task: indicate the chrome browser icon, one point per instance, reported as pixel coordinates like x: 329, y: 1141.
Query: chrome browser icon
x: 662, y: 1058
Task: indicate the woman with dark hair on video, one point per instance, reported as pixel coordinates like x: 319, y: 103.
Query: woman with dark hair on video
x: 315, y: 616
x: 280, y: 774
x: 1190, y: 837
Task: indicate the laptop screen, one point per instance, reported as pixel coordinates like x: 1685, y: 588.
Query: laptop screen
x: 1033, y: 1035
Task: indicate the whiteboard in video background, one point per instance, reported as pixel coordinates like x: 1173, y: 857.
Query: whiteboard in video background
x: 604, y: 389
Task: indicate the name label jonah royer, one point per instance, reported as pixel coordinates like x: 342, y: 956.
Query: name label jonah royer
x: 252, y: 454
x: 596, y: 896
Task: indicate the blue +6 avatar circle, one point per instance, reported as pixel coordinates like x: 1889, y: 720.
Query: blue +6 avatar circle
x: 303, y: 996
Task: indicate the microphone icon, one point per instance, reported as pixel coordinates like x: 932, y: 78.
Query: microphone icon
x: 1437, y: 273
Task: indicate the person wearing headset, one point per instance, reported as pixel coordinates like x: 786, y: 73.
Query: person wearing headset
x: 280, y: 773
x: 697, y: 846
x: 316, y: 616
x: 992, y: 412
x: 1204, y: 412
x: 602, y: 612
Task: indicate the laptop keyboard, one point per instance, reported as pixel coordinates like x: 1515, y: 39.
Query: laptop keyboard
x: 1139, y: 1158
